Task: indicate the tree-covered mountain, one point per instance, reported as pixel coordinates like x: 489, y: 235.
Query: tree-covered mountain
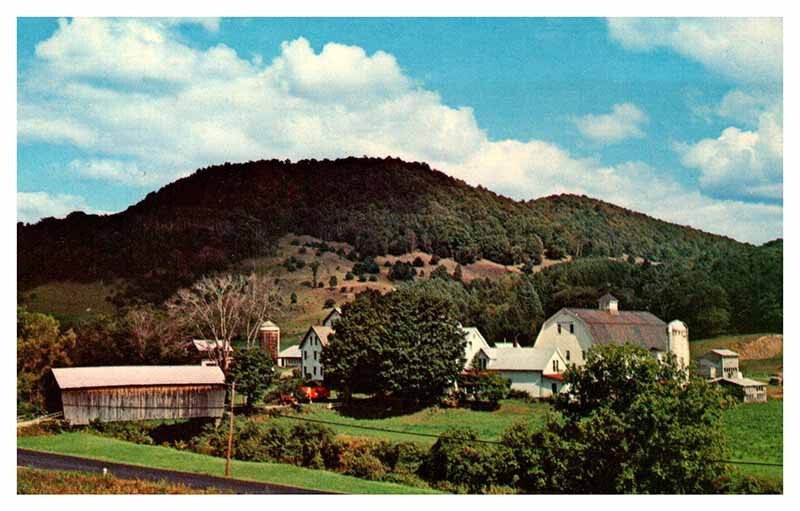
x: 223, y: 214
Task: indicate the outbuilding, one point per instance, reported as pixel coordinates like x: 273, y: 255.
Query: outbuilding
x: 130, y: 393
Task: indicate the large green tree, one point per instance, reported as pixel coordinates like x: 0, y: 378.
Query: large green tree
x: 406, y: 344
x: 628, y: 424
x: 252, y: 370
x: 40, y: 346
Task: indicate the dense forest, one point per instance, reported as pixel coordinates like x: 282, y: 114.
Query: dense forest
x: 222, y: 214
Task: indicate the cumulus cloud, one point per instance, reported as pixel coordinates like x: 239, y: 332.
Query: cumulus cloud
x: 212, y: 106
x: 740, y: 162
x: 624, y: 121
x: 749, y: 50
x: 33, y: 206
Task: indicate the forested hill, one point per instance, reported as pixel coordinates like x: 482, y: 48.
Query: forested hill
x: 225, y: 213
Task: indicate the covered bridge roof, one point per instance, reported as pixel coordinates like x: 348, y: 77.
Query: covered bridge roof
x: 125, y: 376
x: 640, y: 328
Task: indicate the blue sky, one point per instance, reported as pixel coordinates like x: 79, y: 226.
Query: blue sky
x: 680, y: 119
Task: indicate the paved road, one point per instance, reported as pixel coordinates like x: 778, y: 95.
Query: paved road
x: 37, y: 459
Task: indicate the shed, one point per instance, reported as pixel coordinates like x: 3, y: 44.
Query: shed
x: 749, y: 391
x: 129, y: 393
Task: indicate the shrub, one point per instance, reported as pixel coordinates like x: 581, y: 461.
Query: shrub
x: 293, y: 298
x: 483, y: 389
x: 418, y: 262
x: 349, y: 276
x: 302, y: 250
x: 294, y: 242
x: 373, y: 278
x: 402, y: 271
x: 434, y: 260
x: 457, y: 459
x: 333, y: 281
x: 387, y: 264
x: 329, y: 303
x: 362, y: 278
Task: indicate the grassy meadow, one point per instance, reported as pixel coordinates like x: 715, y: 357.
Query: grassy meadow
x: 430, y: 421
x: 101, y: 448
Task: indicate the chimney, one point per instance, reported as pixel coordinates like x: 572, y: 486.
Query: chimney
x: 270, y: 338
x: 608, y: 303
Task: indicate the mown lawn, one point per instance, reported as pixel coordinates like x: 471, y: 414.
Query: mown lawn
x: 49, y: 482
x: 755, y: 433
x: 431, y: 421
x: 91, y: 446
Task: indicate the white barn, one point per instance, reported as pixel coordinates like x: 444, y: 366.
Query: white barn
x: 573, y: 331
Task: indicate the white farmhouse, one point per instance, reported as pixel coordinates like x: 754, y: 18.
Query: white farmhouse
x: 536, y: 371
x: 473, y: 345
x: 311, y: 352
x: 573, y: 331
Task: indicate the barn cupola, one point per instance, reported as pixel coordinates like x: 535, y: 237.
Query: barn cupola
x: 609, y: 303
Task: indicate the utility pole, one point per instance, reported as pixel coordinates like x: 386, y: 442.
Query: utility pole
x: 230, y: 433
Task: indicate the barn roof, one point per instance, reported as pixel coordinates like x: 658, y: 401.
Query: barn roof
x: 128, y: 376
x: 290, y: 352
x: 640, y: 328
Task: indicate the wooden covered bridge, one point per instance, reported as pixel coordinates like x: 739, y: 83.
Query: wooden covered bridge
x: 130, y: 393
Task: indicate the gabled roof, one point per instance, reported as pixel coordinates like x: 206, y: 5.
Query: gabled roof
x: 334, y: 311
x: 521, y: 359
x: 323, y: 332
x: 640, y: 328
x: 125, y: 376
x: 608, y: 297
x: 205, y: 345
x: 290, y: 352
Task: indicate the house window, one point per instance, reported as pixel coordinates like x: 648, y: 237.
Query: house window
x: 482, y: 363
x: 555, y: 366
x: 568, y: 351
x: 305, y: 355
x: 572, y: 328
x: 316, y: 353
x: 559, y: 328
x: 315, y: 370
x: 554, y: 388
x: 583, y: 354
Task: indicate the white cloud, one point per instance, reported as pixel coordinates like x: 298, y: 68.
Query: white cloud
x: 624, y: 121
x: 749, y: 50
x: 306, y: 104
x: 33, y: 206
x: 115, y: 171
x: 745, y: 163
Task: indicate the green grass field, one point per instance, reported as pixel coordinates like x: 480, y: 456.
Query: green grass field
x: 755, y: 433
x: 431, y: 421
x: 70, y: 302
x: 91, y: 446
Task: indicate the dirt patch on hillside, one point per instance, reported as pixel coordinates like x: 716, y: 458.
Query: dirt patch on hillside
x: 767, y: 346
